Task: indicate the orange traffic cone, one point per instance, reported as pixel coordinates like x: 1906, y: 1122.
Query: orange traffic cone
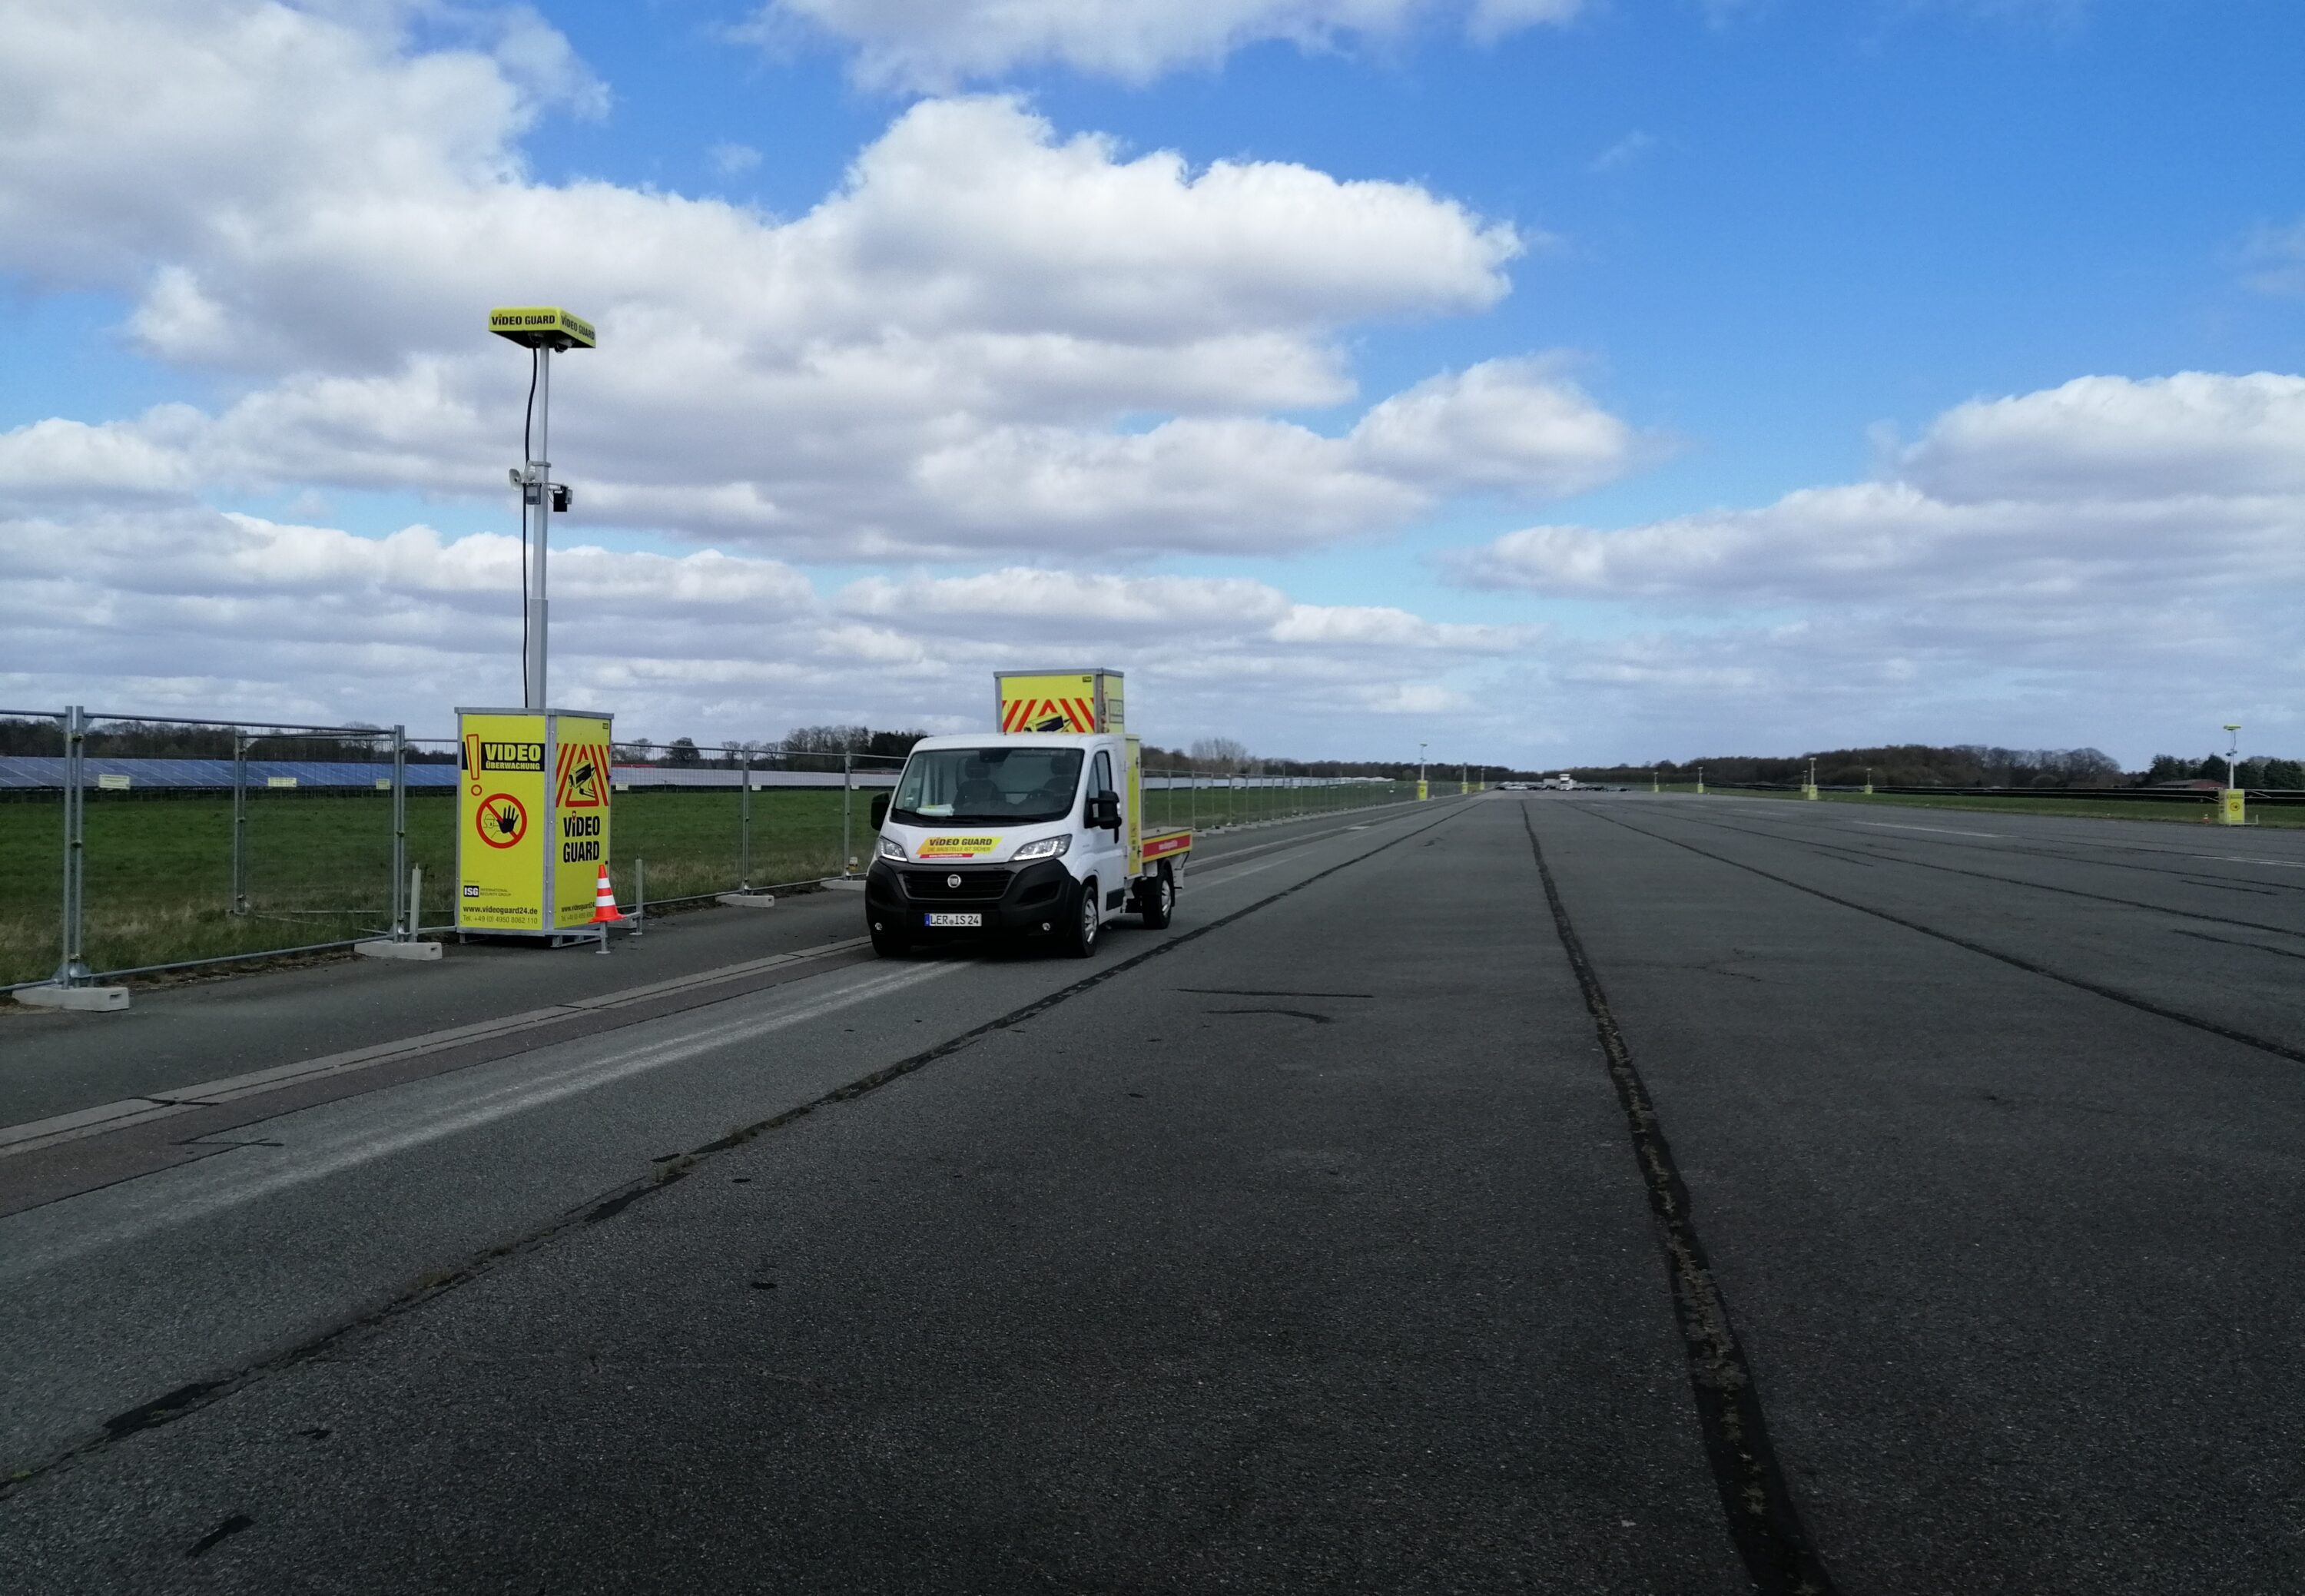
x: 604, y: 903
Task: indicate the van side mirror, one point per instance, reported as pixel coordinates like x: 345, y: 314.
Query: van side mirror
x: 880, y: 810
x: 1104, y: 812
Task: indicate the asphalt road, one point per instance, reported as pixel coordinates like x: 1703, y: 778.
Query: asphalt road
x: 1550, y: 1193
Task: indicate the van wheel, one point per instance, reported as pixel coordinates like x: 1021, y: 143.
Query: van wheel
x: 1156, y: 900
x: 888, y: 944
x: 1079, y: 938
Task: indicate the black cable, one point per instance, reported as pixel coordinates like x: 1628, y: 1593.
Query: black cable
x: 528, y: 422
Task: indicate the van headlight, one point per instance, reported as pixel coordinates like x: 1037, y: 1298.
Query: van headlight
x: 891, y: 849
x: 1047, y: 848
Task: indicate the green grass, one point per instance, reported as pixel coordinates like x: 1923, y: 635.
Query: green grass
x: 1209, y: 808
x: 158, y: 872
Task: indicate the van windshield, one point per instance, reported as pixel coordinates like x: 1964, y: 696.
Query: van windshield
x: 976, y: 786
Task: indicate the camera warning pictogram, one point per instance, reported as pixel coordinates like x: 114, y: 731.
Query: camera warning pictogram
x: 583, y: 776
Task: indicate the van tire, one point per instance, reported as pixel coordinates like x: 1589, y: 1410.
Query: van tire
x: 1156, y: 900
x: 1083, y: 922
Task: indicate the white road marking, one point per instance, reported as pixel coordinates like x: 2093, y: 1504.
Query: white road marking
x: 178, y: 1197
x: 1891, y: 826
x: 1218, y: 876
x: 106, y: 1118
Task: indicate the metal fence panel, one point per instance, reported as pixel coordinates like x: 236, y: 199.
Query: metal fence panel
x: 32, y: 857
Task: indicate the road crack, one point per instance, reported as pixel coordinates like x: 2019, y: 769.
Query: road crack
x: 1764, y: 1521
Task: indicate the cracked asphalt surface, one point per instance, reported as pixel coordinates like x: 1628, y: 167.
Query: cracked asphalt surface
x: 1316, y: 1242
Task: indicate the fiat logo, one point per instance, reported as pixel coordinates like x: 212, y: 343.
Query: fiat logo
x: 953, y: 881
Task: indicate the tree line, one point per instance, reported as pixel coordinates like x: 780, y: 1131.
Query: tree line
x: 164, y: 739
x: 1966, y: 765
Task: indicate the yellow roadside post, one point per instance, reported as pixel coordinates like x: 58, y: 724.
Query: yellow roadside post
x: 1700, y: 780
x: 1809, y: 787
x: 1868, y: 781
x: 2236, y: 808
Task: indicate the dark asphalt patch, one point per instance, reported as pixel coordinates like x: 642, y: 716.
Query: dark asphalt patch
x: 2227, y: 941
x: 187, y: 1399
x: 1764, y: 1521
x: 2080, y: 983
x: 2005, y: 881
x: 229, y: 1527
x: 160, y: 1410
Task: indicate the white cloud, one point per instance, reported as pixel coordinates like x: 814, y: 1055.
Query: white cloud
x: 2103, y: 486
x: 2114, y: 438
x: 732, y: 159
x: 2275, y: 259
x: 1624, y: 152
x: 990, y: 338
x: 870, y: 486
x: 2078, y: 565
x: 1503, y: 425
x: 182, y: 608
x: 935, y: 44
x: 1084, y: 609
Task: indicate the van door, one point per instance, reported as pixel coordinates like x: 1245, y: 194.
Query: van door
x: 1106, y: 849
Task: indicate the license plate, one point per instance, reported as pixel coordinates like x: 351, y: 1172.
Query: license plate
x: 954, y: 922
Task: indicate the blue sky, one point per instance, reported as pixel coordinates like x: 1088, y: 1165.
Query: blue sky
x: 1954, y: 250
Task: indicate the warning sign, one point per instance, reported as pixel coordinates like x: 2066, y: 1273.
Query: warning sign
x: 583, y: 776
x: 501, y: 820
x: 533, y: 820
x: 1047, y: 714
x: 1072, y: 701
x: 578, y: 843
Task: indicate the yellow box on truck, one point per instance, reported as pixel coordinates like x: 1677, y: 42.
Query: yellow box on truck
x: 1059, y: 701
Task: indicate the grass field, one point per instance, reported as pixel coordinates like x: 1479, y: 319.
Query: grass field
x: 158, y: 872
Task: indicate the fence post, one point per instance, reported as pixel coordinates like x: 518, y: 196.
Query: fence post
x: 239, y: 822
x: 847, y: 786
x: 744, y: 826
x: 404, y: 916
x: 71, y: 969
x: 640, y: 896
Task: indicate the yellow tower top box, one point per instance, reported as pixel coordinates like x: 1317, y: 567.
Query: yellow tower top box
x: 543, y: 327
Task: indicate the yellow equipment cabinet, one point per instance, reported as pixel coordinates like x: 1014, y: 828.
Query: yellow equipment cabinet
x: 1059, y: 701
x: 532, y: 820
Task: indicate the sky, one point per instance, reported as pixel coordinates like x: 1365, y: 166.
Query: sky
x: 1539, y: 381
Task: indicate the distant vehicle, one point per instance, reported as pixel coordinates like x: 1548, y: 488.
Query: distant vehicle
x: 1038, y: 828
x: 1563, y: 782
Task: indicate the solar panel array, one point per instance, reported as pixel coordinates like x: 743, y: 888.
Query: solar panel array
x: 48, y: 772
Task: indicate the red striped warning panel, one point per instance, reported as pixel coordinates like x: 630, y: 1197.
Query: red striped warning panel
x: 1048, y: 714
